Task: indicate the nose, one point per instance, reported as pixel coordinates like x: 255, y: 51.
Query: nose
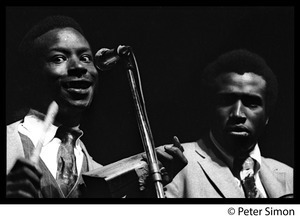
x: 76, y: 68
x: 238, y: 111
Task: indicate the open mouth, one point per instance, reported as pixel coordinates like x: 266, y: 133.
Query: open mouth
x: 82, y: 84
x: 77, y: 89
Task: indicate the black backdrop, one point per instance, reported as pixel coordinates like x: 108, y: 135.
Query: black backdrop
x: 172, y: 46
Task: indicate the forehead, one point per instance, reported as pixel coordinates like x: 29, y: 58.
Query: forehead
x: 248, y: 82
x: 64, y: 37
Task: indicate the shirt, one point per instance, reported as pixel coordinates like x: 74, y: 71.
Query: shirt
x: 32, y: 127
x: 255, y: 154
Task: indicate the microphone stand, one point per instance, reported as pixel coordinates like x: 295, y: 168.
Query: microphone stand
x: 143, y: 123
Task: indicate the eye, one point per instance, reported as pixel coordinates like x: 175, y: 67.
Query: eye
x: 252, y: 101
x: 225, y: 99
x: 57, y: 59
x: 251, y: 105
x: 86, y: 58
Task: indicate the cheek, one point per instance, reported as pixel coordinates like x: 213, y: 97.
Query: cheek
x: 93, y: 71
x: 52, y: 74
x: 258, y: 121
x: 220, y: 117
x: 53, y: 71
x: 221, y: 114
x: 51, y: 78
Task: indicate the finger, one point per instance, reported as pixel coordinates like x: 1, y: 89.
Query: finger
x: 23, y: 179
x: 18, y: 194
x: 166, y: 164
x: 177, y: 143
x: 21, y: 188
x: 164, y: 159
x: 24, y: 173
x: 165, y: 176
x: 163, y: 156
x: 176, y: 149
x: 177, y: 154
x: 22, y: 162
x: 178, y: 161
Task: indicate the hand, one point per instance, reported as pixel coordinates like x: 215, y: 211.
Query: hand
x: 23, y: 181
x: 171, y: 160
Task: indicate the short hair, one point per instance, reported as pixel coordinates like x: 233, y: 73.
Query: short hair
x: 28, y: 53
x: 241, y: 61
x: 26, y: 47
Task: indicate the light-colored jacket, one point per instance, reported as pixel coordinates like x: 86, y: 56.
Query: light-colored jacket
x: 206, y: 176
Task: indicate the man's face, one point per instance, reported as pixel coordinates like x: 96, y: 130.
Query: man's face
x: 239, y: 111
x: 66, y: 64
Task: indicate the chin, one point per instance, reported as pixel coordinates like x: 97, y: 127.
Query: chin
x: 239, y: 144
x: 241, y: 140
x: 75, y: 105
x: 80, y: 104
x: 76, y: 100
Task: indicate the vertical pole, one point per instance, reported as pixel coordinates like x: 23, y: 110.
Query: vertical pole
x: 146, y: 139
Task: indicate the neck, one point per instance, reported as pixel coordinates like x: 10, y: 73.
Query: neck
x: 69, y: 119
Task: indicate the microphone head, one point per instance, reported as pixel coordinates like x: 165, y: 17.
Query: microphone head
x: 101, y: 52
x: 105, y: 58
x: 123, y: 50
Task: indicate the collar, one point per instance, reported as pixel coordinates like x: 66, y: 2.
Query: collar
x: 255, y: 153
x: 33, y: 123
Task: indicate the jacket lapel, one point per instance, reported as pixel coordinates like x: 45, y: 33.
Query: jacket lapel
x: 91, y: 164
x: 273, y: 181
x: 217, y: 171
x: 49, y: 187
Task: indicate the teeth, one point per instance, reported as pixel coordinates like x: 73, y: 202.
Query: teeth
x: 239, y: 133
x: 78, y: 84
x: 77, y: 90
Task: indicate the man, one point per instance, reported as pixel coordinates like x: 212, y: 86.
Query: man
x: 242, y: 92
x: 60, y: 63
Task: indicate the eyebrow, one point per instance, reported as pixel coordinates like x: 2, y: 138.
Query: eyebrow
x: 247, y: 95
x: 66, y: 50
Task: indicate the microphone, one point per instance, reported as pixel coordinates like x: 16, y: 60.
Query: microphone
x: 105, y: 58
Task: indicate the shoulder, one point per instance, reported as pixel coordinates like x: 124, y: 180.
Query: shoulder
x: 14, y: 147
x: 282, y: 172
x: 189, y: 147
x: 12, y: 132
x: 13, y: 127
x: 276, y: 165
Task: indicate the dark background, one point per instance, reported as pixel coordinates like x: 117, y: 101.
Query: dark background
x: 172, y: 46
